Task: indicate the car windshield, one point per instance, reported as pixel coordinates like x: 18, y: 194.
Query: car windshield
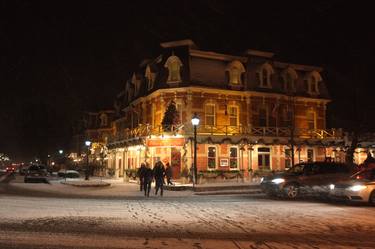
x: 365, y: 175
x: 297, y: 169
x: 34, y: 167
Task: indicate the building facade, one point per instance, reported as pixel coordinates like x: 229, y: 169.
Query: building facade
x: 253, y: 111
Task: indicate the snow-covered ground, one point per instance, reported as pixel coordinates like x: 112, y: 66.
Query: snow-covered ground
x: 182, y: 222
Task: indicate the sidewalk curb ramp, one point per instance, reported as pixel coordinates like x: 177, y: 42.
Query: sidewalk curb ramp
x: 83, y: 184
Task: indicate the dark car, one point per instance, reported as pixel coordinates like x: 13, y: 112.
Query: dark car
x: 36, y: 173
x: 10, y: 169
x: 306, y: 178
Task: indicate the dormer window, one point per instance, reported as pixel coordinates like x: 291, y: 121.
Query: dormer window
x: 174, y: 65
x: 289, y: 78
x: 235, y: 70
x: 129, y: 91
x: 137, y: 84
x: 150, y: 77
x: 264, y: 75
x: 313, y: 80
x: 103, y: 120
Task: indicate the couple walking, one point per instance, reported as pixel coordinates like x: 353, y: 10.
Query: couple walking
x: 146, y: 176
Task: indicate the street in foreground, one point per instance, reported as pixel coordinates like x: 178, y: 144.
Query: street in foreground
x: 241, y: 221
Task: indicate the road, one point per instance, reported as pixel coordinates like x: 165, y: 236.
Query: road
x: 44, y: 221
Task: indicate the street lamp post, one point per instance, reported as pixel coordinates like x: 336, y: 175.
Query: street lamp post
x: 195, y: 122
x: 87, y: 143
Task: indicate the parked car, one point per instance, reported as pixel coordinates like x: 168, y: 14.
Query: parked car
x: 36, y: 173
x: 359, y: 188
x: 10, y: 169
x: 306, y: 178
x: 69, y: 174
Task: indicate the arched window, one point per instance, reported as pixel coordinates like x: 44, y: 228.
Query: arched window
x: 103, y: 119
x: 174, y: 65
x: 150, y: 77
x: 289, y: 76
x: 264, y: 75
x: 235, y: 70
x: 136, y: 83
x: 313, y: 79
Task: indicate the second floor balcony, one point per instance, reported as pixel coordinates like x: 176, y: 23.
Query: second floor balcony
x: 224, y: 130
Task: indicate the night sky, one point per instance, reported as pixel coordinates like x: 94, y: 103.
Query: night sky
x: 60, y: 58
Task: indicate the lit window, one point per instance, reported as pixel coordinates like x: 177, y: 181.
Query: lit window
x: 311, y: 124
x: 233, y: 115
x: 211, y: 157
x: 310, y: 155
x: 235, y: 70
x: 264, y: 157
x: 210, y: 114
x: 179, y: 110
x: 233, y: 158
x: 288, y: 158
x: 174, y: 65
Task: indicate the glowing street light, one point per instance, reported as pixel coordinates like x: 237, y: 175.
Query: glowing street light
x: 88, y: 144
x: 195, y: 122
x: 61, y: 151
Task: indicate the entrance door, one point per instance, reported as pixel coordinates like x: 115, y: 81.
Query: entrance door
x: 175, y: 162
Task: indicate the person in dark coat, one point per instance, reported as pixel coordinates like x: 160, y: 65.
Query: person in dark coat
x: 159, y: 173
x: 141, y: 174
x: 148, y: 175
x: 168, y: 173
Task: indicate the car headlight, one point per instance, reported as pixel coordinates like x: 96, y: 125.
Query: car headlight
x: 332, y: 186
x: 356, y: 188
x: 278, y: 180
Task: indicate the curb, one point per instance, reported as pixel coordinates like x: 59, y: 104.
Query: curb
x: 212, y: 188
x: 86, y: 185
x: 257, y: 192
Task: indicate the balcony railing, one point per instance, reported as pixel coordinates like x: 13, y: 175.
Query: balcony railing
x: 224, y: 130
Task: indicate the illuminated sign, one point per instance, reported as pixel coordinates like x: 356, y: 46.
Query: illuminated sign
x: 166, y: 142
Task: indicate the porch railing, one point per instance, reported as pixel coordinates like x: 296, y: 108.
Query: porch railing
x: 225, y: 130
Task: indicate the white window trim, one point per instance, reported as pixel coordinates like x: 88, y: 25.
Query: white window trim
x: 237, y: 115
x: 216, y: 157
x: 214, y: 115
x: 261, y: 77
x: 264, y: 153
x: 238, y: 159
x: 313, y: 87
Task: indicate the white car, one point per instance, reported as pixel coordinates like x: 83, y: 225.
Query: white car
x: 360, y: 188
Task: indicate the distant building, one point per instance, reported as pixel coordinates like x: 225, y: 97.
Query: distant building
x: 252, y: 108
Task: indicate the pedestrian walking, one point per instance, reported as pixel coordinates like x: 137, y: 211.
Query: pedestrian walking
x: 168, y: 173
x: 159, y: 173
x: 148, y: 175
x: 141, y: 175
